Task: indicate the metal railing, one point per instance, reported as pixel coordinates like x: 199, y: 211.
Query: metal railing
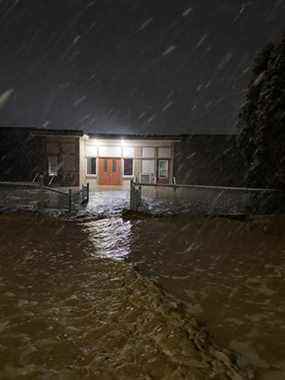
x: 41, y: 196
x: 205, y: 199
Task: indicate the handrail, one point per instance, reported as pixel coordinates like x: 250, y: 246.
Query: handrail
x: 174, y: 186
x: 247, y: 198
x: 20, y: 184
x: 53, y: 190
x: 33, y: 185
x: 68, y: 195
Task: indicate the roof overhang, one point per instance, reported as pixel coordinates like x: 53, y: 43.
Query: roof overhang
x: 113, y: 136
x: 44, y: 131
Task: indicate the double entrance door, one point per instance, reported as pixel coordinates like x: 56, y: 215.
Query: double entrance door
x: 110, y: 171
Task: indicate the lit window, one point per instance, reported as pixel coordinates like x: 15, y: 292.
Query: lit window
x: 163, y: 168
x: 128, y: 166
x: 148, y: 167
x: 91, y: 165
x: 52, y: 165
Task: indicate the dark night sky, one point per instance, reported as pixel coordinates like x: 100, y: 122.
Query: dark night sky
x: 130, y: 65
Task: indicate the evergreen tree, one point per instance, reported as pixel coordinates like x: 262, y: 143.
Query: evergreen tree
x: 262, y: 120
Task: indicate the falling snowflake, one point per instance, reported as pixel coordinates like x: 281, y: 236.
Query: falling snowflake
x: 202, y: 40
x: 168, y: 105
x: 79, y: 101
x: 169, y: 50
x: 141, y: 115
x: 5, y: 97
x: 187, y: 12
x: 76, y: 39
x: 145, y: 24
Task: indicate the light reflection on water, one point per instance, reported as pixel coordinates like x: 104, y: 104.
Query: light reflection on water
x: 229, y: 271
x: 111, y: 238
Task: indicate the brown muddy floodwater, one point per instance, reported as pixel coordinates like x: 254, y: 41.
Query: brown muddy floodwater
x: 230, y: 272
x: 72, y: 308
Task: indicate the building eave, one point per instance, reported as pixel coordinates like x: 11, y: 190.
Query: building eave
x: 115, y: 136
x: 43, y: 131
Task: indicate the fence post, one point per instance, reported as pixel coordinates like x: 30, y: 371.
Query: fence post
x: 139, y: 200
x: 87, y: 191
x: 41, y: 180
x: 135, y: 195
x: 131, y: 194
x: 135, y: 198
x: 69, y: 200
x: 81, y: 193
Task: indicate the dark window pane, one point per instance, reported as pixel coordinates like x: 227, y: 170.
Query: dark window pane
x: 163, y: 168
x: 114, y: 166
x: 91, y: 165
x: 128, y: 166
x: 105, y: 166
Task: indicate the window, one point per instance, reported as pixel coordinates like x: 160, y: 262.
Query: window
x: 52, y: 165
x: 163, y: 168
x: 128, y: 166
x: 105, y: 166
x: 148, y: 167
x: 114, y: 166
x: 91, y: 165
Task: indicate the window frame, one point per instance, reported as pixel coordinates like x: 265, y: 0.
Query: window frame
x: 153, y: 161
x: 128, y: 175
x: 158, y: 168
x: 96, y: 163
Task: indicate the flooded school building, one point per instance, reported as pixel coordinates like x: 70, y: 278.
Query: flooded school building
x: 71, y: 158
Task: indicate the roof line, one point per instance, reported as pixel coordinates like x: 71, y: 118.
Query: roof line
x: 78, y: 132
x: 45, y: 131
